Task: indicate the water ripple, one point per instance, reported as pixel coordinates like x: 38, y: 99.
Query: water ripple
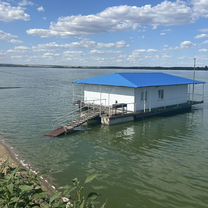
x: 159, y: 162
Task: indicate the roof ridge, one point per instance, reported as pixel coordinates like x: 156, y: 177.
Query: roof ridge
x: 126, y: 79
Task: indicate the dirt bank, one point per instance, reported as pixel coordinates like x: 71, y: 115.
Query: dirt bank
x: 7, y: 154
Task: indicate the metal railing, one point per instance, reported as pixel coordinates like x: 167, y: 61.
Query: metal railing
x: 84, y: 111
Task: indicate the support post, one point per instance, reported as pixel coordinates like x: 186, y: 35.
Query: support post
x: 73, y: 92
x: 150, y: 103
x: 83, y: 93
x: 194, y: 75
x: 203, y: 93
x: 100, y: 99
x: 109, y: 101
x: 188, y: 93
x: 145, y: 99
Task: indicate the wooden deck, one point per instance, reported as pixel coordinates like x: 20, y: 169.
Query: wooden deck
x: 57, y: 132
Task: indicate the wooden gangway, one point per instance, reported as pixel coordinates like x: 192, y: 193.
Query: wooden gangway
x: 74, y: 124
x: 85, y: 112
x: 76, y: 118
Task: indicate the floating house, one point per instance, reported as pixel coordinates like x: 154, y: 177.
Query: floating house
x: 123, y: 97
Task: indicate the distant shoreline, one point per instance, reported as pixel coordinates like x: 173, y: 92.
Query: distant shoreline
x: 7, y: 88
x: 106, y: 67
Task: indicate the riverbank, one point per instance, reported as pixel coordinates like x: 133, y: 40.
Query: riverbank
x: 6, y: 154
x: 21, y: 188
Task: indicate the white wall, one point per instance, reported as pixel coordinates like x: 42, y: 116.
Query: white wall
x: 109, y: 95
x: 172, y: 95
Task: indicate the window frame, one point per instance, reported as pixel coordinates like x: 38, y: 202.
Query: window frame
x: 161, y: 94
x: 143, y: 95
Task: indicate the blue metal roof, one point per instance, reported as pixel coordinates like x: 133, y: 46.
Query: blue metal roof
x: 138, y: 80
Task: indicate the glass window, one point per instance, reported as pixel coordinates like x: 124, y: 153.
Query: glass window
x: 144, y: 95
x: 160, y: 94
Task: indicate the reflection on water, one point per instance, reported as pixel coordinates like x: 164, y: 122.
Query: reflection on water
x: 158, y: 162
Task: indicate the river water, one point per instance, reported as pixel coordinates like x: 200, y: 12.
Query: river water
x: 154, y: 163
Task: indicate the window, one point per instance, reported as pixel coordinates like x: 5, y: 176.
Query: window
x: 144, y: 95
x: 161, y: 94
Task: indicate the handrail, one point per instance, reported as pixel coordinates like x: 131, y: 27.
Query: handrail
x: 92, y: 108
x: 72, y: 112
x: 88, y: 113
x: 94, y: 100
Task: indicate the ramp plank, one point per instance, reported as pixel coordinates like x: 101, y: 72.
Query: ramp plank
x: 57, y: 132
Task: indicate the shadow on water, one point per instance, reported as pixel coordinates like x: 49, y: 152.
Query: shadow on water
x: 142, y: 133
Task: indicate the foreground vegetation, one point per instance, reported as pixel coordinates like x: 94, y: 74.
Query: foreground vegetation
x: 21, y: 188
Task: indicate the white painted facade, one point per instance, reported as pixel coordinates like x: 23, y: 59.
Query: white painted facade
x: 109, y: 95
x: 172, y: 95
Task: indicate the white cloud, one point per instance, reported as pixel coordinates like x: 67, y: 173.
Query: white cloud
x: 203, y: 50
x: 119, y: 18
x: 152, y: 50
x: 165, y: 31
x: 73, y: 55
x: 21, y: 48
x: 200, y: 8
x: 95, y: 51
x: 9, y: 37
x: 141, y: 50
x: 40, y: 9
x: 24, y: 3
x: 118, y: 44
x: 43, y: 33
x: 18, y: 49
x: 85, y: 44
x: 204, y: 30
x: 201, y: 36
x: 72, y: 52
x: 11, y: 13
x: 165, y: 56
x: 50, y: 55
x: 186, y: 44
x: 15, y: 41
x: 201, y: 60
x: 84, y: 51
x: 205, y: 42
x: 142, y: 54
x: 162, y: 33
x: 104, y: 52
x: 17, y: 57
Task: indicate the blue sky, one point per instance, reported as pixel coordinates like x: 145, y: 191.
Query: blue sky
x: 117, y: 33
